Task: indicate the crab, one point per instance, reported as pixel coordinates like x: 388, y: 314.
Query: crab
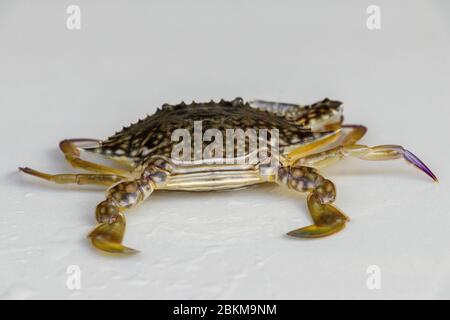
x: 310, y: 137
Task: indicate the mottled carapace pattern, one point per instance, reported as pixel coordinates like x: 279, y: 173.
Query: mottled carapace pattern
x: 152, y: 135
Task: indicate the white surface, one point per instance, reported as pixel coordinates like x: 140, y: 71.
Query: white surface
x: 129, y: 58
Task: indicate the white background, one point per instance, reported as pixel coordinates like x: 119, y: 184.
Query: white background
x: 131, y: 57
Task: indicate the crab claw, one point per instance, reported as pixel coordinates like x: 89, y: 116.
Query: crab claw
x: 108, y: 236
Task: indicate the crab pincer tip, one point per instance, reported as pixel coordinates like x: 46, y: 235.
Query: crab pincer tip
x: 414, y: 160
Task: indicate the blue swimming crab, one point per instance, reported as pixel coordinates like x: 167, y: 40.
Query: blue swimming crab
x: 309, y: 138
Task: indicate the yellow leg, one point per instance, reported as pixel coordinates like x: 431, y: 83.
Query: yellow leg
x: 72, y: 154
x: 352, y: 133
x: 81, y: 179
x: 377, y: 153
x: 109, y: 233
x: 327, y: 218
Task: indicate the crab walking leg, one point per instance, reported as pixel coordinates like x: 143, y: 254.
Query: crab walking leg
x: 108, y: 234
x: 348, y: 134
x: 383, y: 152
x: 327, y: 218
x: 72, y: 154
x: 352, y: 133
x: 81, y: 179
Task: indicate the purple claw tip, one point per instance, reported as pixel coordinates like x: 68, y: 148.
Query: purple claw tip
x: 411, y: 158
